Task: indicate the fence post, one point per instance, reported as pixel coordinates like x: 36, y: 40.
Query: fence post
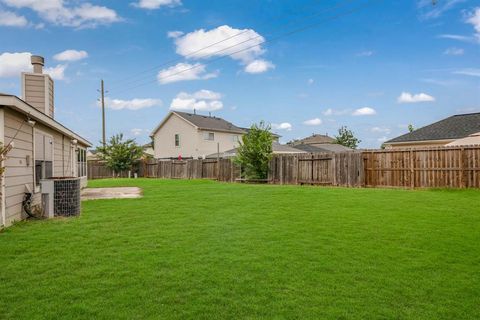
x: 462, y: 168
x: 412, y: 169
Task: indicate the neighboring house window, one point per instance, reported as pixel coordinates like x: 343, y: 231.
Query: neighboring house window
x: 209, y: 136
x: 81, y: 162
x: 43, y: 155
x: 235, y: 138
x: 177, y: 140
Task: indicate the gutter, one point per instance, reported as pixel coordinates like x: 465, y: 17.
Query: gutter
x: 21, y: 106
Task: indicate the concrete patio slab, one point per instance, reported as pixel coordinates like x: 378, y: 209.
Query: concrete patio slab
x: 111, y: 193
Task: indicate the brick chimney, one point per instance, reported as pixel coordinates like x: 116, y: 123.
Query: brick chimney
x: 38, y: 88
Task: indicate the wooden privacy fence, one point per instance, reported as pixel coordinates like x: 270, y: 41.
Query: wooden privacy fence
x: 222, y: 169
x: 444, y: 167
x: 97, y: 170
x: 336, y: 169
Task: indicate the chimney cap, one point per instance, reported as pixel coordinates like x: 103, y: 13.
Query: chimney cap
x: 37, y: 60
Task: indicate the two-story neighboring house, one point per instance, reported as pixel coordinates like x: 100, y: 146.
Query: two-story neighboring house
x: 187, y: 135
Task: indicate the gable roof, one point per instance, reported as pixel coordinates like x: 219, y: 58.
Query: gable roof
x: 203, y: 122
x: 313, y: 139
x: 454, y: 127
x: 323, y: 147
x: 21, y: 106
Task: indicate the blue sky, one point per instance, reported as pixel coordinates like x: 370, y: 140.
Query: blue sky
x: 374, y: 66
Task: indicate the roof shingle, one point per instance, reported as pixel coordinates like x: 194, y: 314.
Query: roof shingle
x: 210, y: 123
x: 454, y: 127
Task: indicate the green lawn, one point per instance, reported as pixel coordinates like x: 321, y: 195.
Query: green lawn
x: 208, y: 250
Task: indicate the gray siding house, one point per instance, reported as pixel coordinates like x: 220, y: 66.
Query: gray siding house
x: 41, y: 146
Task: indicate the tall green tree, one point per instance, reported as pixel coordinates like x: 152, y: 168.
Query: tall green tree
x: 347, y: 138
x: 255, y: 151
x: 120, y: 155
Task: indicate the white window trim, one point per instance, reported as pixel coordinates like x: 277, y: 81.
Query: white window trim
x: 35, y: 130
x: 175, y: 140
x: 84, y: 162
x: 206, y: 135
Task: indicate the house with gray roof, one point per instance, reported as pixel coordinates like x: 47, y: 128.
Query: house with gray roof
x: 318, y: 143
x: 460, y: 129
x: 191, y: 135
x: 40, y: 147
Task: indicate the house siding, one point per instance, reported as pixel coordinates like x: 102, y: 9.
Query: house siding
x: 192, y: 142
x: 18, y: 174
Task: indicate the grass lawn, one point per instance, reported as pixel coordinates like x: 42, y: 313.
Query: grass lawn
x: 208, y: 250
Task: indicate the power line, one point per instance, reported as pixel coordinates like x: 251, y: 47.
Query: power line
x: 170, y: 62
x: 262, y: 42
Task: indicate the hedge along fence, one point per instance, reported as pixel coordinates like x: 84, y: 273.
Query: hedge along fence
x: 444, y: 167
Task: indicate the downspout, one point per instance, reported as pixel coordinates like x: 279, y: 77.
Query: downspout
x: 63, y: 155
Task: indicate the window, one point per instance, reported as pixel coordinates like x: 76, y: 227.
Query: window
x: 43, y: 155
x: 234, y: 138
x: 81, y: 162
x: 177, y: 140
x: 209, y: 136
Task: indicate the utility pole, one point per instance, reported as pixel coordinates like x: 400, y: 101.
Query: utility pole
x: 102, y: 90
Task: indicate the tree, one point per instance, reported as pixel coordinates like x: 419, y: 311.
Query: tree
x: 347, y: 138
x: 411, y: 128
x: 255, y: 151
x: 120, y: 155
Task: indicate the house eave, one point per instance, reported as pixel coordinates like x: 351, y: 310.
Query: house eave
x: 17, y: 104
x: 399, y: 143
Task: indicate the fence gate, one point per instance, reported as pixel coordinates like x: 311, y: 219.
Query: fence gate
x: 316, y: 169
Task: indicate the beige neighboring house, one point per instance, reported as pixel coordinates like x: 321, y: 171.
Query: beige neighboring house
x: 42, y: 147
x: 190, y: 135
x: 457, y: 130
x: 318, y: 143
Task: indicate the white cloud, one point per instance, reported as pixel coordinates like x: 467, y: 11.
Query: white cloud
x: 57, y: 72
x: 174, y: 34
x: 313, y: 122
x: 259, y: 66
x: 10, y: 19
x: 156, y: 4
x: 407, y: 97
x: 468, y: 72
x: 183, y: 72
x: 429, y: 11
x: 71, y: 55
x: 457, y: 37
x: 133, y: 104
x: 366, y: 53
x: 282, y: 126
x: 136, y: 131
x: 382, y: 139
x: 474, y: 20
x: 310, y: 81
x: 202, y: 100
x: 332, y: 112
x: 380, y: 130
x: 12, y: 64
x: 366, y: 111
x: 55, y: 11
x: 454, y: 51
x: 221, y: 41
